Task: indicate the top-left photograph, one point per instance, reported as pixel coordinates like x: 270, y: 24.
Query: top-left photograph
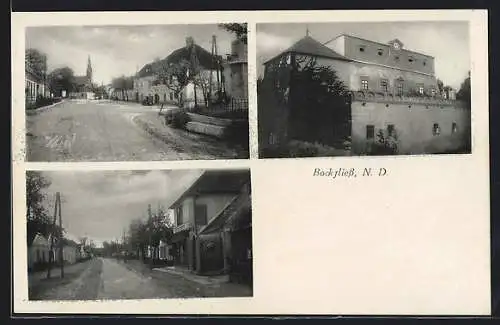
x: 136, y: 93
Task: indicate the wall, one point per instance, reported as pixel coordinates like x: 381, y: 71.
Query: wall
x: 390, y: 56
x: 236, y: 80
x: 376, y: 73
x: 215, y: 203
x: 414, y: 126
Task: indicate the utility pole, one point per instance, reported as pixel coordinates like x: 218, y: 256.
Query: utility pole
x: 51, y: 252
x: 61, y: 256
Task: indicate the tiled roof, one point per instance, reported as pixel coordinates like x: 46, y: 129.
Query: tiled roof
x: 81, y: 80
x: 309, y: 46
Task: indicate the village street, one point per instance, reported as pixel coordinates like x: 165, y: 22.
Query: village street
x: 112, y: 131
x: 106, y: 278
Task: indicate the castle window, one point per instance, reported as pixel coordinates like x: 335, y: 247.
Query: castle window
x: 410, y: 59
x: 420, y: 89
x: 400, y: 88
x: 390, y: 130
x: 424, y: 63
x: 380, y: 52
x: 396, y: 58
x: 433, y: 92
x: 370, y: 132
x: 364, y: 83
x: 384, y: 85
x: 362, y: 48
x: 454, y: 128
x: 436, y: 130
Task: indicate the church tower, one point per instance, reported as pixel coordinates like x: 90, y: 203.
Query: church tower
x: 89, y: 70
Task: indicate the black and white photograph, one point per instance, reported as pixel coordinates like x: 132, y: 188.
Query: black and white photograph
x: 97, y: 235
x: 363, y: 88
x: 136, y: 93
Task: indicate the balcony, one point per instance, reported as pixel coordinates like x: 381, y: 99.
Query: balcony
x: 183, y: 227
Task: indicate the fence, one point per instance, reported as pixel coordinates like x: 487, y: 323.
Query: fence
x: 234, y: 108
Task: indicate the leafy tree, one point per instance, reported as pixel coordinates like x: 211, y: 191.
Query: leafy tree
x: 61, y: 79
x: 174, y: 76
x: 464, y: 91
x: 123, y: 84
x: 240, y: 30
x: 440, y: 86
x: 37, y: 61
x: 38, y: 218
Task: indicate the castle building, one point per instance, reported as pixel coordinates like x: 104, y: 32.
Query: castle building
x: 84, y: 88
x: 390, y: 90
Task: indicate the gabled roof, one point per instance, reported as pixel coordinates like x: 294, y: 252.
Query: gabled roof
x: 237, y: 209
x: 216, y: 181
x: 206, y: 59
x: 81, y: 80
x: 309, y: 46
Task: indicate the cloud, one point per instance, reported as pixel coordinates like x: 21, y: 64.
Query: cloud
x: 101, y: 204
x: 118, y: 50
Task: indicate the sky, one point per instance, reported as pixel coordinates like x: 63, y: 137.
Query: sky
x: 118, y: 50
x: 101, y: 204
x: 447, y: 42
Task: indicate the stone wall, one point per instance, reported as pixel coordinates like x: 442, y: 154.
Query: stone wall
x: 414, y: 121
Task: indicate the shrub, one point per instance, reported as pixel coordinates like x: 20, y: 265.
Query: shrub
x: 177, y: 119
x: 386, y: 144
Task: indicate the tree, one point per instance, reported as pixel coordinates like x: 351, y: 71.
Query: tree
x: 123, y: 84
x: 464, y: 93
x: 37, y: 61
x: 240, y: 30
x: 440, y: 86
x: 174, y: 76
x: 38, y: 218
x: 61, y: 79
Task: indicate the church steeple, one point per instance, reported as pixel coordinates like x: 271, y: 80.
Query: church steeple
x: 89, y: 70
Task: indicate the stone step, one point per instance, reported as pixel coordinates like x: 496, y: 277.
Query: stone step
x: 208, y: 129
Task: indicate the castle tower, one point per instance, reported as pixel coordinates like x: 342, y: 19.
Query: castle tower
x: 89, y: 70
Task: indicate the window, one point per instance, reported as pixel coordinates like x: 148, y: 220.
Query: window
x: 390, y: 129
x: 424, y: 63
x: 454, y: 127
x: 362, y: 48
x: 178, y: 215
x: 396, y: 58
x: 200, y: 214
x: 364, y: 84
x: 420, y: 89
x: 370, y: 132
x: 380, y: 52
x: 410, y: 59
x: 171, y: 96
x: 435, y: 129
x: 400, y: 88
x: 384, y: 85
x: 433, y: 92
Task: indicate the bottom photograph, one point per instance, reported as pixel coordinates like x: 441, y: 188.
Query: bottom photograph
x: 139, y: 234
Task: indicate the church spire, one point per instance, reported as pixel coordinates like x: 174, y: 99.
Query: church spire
x: 89, y: 70
x: 307, y: 30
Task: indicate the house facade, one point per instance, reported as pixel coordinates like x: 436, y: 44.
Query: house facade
x: 201, y: 239
x: 236, y: 71
x: 35, y: 86
x: 388, y: 89
x: 38, y: 252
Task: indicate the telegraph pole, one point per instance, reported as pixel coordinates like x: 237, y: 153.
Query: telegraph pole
x: 61, y: 256
x: 51, y: 251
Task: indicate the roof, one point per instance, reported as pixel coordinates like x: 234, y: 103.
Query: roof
x: 237, y: 209
x: 206, y: 59
x: 81, y: 80
x: 309, y: 46
x: 216, y: 181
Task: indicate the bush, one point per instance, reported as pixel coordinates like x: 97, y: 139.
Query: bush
x: 177, y: 118
x: 42, y: 101
x: 301, y: 149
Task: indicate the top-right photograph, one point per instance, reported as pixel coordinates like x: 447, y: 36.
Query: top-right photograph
x: 363, y: 89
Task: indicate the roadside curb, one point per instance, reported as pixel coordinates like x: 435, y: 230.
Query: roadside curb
x: 43, y: 108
